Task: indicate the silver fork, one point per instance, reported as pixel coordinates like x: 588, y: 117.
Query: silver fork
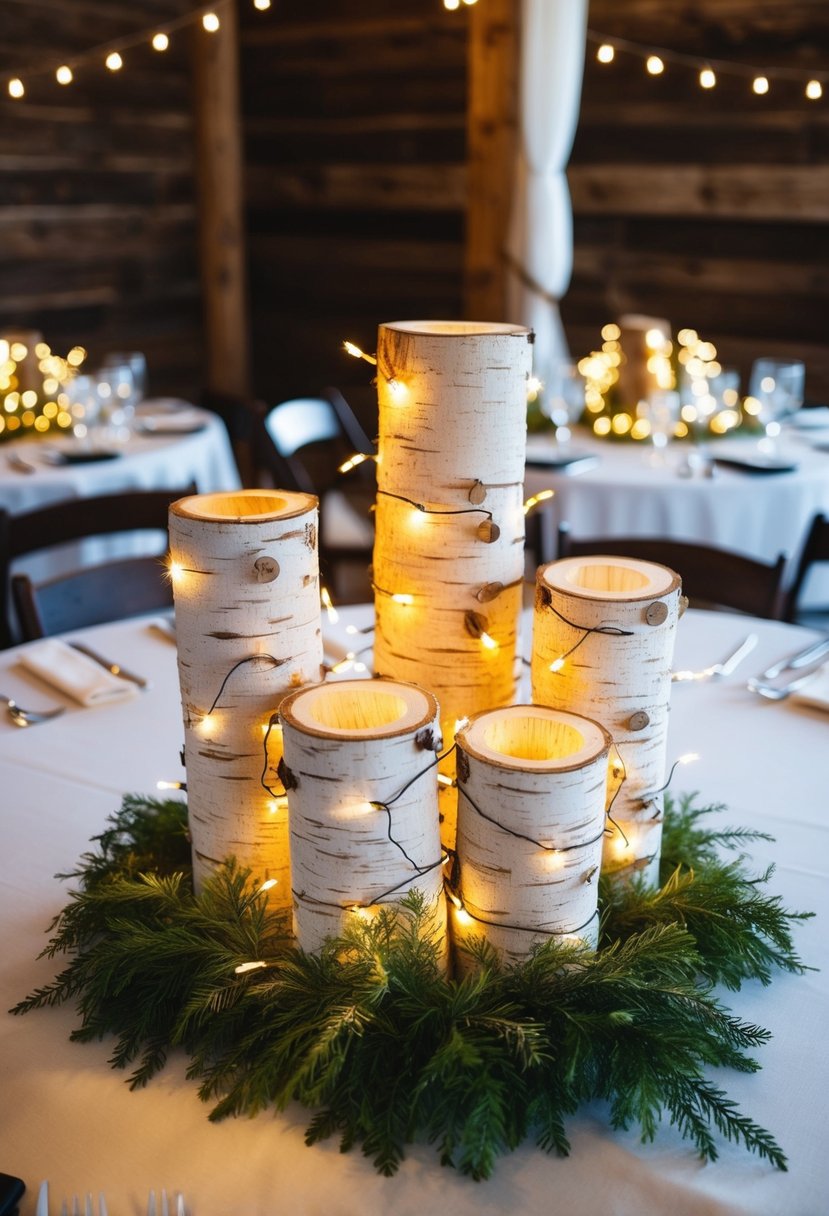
x: 75, y: 1210
x: 29, y: 717
x: 165, y: 1209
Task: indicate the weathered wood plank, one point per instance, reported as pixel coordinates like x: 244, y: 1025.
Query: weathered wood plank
x: 378, y: 187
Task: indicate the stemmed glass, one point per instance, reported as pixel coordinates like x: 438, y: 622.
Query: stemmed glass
x: 117, y: 396
x: 564, y: 401
x: 662, y: 412
x: 84, y: 406
x: 777, y: 386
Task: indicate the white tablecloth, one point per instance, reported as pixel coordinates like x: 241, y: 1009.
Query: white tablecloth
x: 632, y: 492
x: 67, y: 1116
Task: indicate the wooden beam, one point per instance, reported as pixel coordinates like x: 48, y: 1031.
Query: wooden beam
x: 491, y: 141
x: 221, y: 218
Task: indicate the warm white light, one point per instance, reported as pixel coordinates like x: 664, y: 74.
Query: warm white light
x: 814, y: 90
x: 541, y: 496
x: 210, y: 22
x: 707, y: 78
x: 328, y: 605
x: 557, y: 664
x: 655, y: 339
x: 267, y: 884
x: 64, y: 74
x: 768, y: 384
x: 262, y: 5
x: 160, y: 42
x: 16, y: 88
x: 401, y: 597
x: 397, y: 389
x: 244, y: 968
x: 488, y: 642
x: 760, y: 84
x: 451, y: 5
x: 344, y: 664
x: 655, y: 65
x: 606, y: 53
x: 356, y: 353
x: 18, y: 351
x: 463, y: 917
x: 169, y: 785
x: 534, y: 387
x: 353, y: 461
x: 207, y: 722
x: 445, y: 780
x: 175, y: 571
x: 688, y: 758
x: 114, y: 61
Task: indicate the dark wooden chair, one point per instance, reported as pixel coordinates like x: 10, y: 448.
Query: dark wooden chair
x: 815, y: 549
x: 89, y: 595
x: 711, y: 577
x: 302, y: 444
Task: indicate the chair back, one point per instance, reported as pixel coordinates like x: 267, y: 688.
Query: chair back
x: 711, y: 577
x: 815, y: 549
x: 74, y: 520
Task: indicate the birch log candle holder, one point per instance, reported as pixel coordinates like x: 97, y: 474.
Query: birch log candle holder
x: 603, y: 642
x: 449, y: 526
x: 360, y: 765
x: 245, y: 575
x: 532, y: 785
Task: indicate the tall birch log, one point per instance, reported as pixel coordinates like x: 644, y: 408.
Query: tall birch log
x: 449, y: 547
x: 360, y: 771
x: 246, y: 586
x: 603, y: 642
x: 532, y: 785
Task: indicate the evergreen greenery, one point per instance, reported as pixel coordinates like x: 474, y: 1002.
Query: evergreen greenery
x: 372, y: 1035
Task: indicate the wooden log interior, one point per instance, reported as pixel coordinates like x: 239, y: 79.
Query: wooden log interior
x: 448, y: 554
x: 361, y: 779
x: 246, y: 585
x: 603, y: 640
x: 532, y: 784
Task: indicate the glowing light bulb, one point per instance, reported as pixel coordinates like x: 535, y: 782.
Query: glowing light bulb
x: 760, y: 85
x: 353, y: 461
x: 445, y: 780
x: 356, y: 353
x: 169, y: 785
x: 160, y: 42
x: 606, y: 53
x: 488, y: 642
x: 707, y: 78
x: 114, y: 61
x: 328, y: 605
x: 403, y: 597
x: 262, y: 5
x: 244, y: 968
x: 463, y: 917
x: 688, y: 758
x: 397, y: 390
x: 268, y: 884
x: 210, y: 22
x: 654, y: 65
x: 207, y: 723
x: 16, y: 88
x: 557, y: 664
x: 534, y: 387
x: 64, y: 74
x: 814, y: 90
x: 452, y: 5
x: 176, y: 572
x: 541, y: 496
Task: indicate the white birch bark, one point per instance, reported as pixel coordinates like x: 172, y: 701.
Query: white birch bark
x: 452, y: 437
x: 246, y: 585
x: 532, y: 784
x: 359, y: 768
x: 621, y: 678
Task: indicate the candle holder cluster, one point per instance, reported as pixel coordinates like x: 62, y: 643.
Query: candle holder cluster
x: 329, y: 791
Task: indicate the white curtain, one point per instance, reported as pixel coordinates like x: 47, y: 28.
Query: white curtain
x: 540, y: 239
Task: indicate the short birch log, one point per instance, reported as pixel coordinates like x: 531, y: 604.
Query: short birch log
x: 246, y: 586
x: 532, y: 785
x: 360, y: 772
x: 449, y: 536
x: 603, y: 642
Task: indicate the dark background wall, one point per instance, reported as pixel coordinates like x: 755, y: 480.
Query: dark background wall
x: 709, y: 209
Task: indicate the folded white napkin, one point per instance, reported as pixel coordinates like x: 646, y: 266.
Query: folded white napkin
x: 73, y: 673
x: 816, y: 692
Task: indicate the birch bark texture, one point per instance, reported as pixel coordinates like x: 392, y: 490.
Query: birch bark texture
x: 532, y: 784
x: 449, y: 535
x: 603, y: 642
x: 360, y: 772
x: 245, y: 576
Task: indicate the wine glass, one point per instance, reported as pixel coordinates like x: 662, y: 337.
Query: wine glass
x: 564, y: 400
x: 661, y: 409
x: 137, y: 362
x: 115, y: 388
x: 777, y: 387
x: 84, y: 406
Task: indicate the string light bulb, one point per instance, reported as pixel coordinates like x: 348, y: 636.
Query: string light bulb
x: 160, y: 42
x: 64, y: 75
x: 606, y: 53
x: 654, y: 65
x: 353, y: 461
x: 16, y: 88
x: 707, y: 78
x: 114, y: 61
x: 262, y: 5
x: 328, y: 605
x: 452, y: 5
x: 211, y: 22
x: 814, y: 90
x: 541, y: 496
x: 356, y: 353
x: 760, y: 85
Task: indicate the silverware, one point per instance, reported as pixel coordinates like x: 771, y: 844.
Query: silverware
x: 813, y: 651
x: 165, y: 1209
x: 29, y: 717
x: 725, y: 668
x: 114, y: 669
x: 779, y: 692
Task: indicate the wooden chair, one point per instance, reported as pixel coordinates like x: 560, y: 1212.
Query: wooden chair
x: 302, y: 443
x: 815, y: 549
x: 711, y: 577
x: 91, y: 594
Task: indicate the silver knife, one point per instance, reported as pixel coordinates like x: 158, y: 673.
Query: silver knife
x: 733, y: 661
x: 813, y: 651
x: 42, y: 1208
x: 114, y: 669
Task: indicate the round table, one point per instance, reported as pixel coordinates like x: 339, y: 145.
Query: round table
x: 68, y: 1117
x: 630, y: 490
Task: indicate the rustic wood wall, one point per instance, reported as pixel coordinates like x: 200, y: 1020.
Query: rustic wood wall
x: 97, y: 204
x: 709, y: 208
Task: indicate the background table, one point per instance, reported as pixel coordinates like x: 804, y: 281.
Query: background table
x: 633, y: 492
x: 67, y: 1116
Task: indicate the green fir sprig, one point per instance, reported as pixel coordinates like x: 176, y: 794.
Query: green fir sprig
x: 373, y: 1035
